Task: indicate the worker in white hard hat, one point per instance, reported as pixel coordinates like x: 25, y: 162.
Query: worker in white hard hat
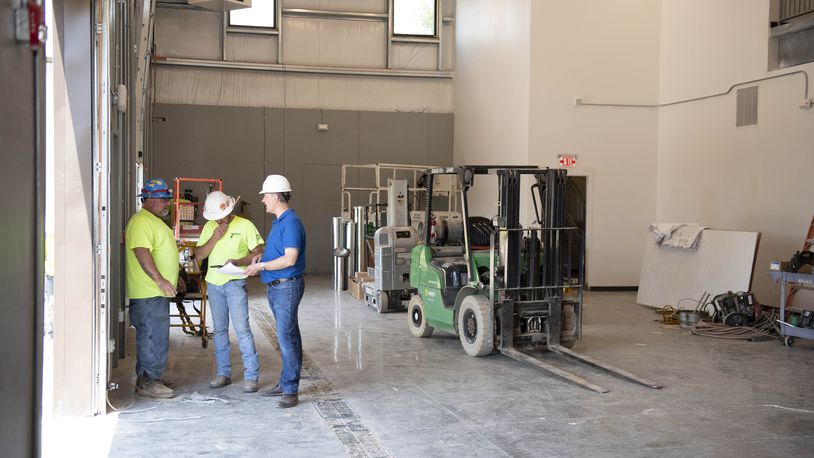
x: 151, y: 263
x: 228, y: 238
x: 281, y: 267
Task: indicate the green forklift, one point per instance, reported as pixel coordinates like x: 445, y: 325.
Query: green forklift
x: 501, y: 285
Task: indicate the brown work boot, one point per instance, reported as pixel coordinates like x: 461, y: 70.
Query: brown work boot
x: 154, y: 389
x: 288, y: 400
x: 164, y: 382
x: 220, y: 381
x: 250, y: 386
x: 272, y: 391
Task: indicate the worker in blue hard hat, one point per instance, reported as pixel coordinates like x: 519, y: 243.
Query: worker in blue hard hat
x: 151, y: 264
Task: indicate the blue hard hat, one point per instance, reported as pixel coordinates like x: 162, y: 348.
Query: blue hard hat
x: 156, y: 189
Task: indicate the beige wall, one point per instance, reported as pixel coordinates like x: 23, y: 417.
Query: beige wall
x: 754, y: 178
x: 491, y: 88
x: 603, y: 52
x: 519, y: 67
x: 75, y: 377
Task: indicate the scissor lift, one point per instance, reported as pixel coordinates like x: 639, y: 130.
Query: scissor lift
x: 186, y: 237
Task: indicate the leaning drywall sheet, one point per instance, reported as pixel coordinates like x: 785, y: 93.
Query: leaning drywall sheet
x: 723, y: 262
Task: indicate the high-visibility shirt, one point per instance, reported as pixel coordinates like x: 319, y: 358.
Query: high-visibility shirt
x: 240, y: 239
x: 145, y: 230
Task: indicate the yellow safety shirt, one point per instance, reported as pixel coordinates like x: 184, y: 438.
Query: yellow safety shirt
x: 241, y: 237
x: 145, y: 230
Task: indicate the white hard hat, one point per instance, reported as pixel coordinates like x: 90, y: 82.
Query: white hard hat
x: 275, y: 183
x: 218, y: 205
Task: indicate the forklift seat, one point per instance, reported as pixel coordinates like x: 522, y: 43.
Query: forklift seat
x: 455, y: 275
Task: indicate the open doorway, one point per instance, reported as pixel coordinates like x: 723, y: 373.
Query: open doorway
x: 576, y: 215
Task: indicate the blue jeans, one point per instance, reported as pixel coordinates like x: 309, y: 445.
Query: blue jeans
x: 284, y: 301
x: 151, y: 318
x: 231, y: 299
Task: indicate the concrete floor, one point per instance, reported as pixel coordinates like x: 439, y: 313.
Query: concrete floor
x: 370, y: 389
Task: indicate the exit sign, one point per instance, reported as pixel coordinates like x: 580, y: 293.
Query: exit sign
x: 567, y: 160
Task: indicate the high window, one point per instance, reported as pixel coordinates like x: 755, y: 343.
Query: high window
x: 414, y: 17
x: 261, y: 14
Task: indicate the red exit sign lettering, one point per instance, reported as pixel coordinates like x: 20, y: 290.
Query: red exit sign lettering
x: 567, y: 160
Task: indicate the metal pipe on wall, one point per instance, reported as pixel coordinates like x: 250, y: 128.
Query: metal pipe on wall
x: 360, y: 257
x: 350, y: 244
x: 318, y: 69
x: 340, y: 254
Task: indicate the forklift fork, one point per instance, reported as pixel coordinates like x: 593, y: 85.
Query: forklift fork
x: 553, y: 337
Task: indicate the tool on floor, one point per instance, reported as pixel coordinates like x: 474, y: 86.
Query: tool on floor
x: 688, y: 318
x: 522, y: 293
x: 669, y: 315
x: 736, y: 309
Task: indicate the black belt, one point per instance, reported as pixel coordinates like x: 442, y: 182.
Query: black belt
x: 282, y: 280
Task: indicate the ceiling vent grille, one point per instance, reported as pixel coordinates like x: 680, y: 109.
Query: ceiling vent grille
x: 747, y: 107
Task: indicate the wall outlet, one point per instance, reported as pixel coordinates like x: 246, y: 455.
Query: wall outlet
x: 578, y: 101
x: 807, y: 103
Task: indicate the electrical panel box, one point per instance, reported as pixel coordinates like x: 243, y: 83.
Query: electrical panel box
x: 397, y: 203
x: 393, y: 246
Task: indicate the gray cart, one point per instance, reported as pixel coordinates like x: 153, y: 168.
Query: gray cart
x: 788, y: 331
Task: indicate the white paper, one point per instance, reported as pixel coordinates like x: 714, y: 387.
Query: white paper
x: 231, y: 269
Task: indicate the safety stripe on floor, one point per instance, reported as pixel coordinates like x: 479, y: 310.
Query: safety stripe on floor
x: 348, y: 427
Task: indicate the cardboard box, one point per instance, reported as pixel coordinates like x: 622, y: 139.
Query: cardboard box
x: 355, y: 288
x: 778, y: 266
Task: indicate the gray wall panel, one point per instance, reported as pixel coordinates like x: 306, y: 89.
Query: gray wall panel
x: 395, y: 138
x: 305, y: 144
x: 287, y: 141
x: 440, y: 128
x: 312, y: 165
x: 274, y: 153
x: 20, y: 228
x: 317, y: 202
x: 212, y: 142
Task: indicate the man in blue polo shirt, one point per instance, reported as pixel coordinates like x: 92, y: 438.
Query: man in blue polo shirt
x: 281, y: 268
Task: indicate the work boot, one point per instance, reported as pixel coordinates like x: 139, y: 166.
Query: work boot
x: 154, y: 389
x: 288, y: 400
x: 220, y: 381
x: 250, y: 386
x: 164, y: 382
x: 273, y: 391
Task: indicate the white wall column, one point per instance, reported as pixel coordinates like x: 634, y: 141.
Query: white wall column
x: 74, y: 306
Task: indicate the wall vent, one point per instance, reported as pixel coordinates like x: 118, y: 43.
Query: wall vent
x: 747, y: 107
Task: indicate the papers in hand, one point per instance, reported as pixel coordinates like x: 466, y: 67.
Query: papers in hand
x: 231, y: 269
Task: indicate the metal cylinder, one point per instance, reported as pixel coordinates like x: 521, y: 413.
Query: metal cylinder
x: 339, y: 252
x: 360, y: 257
x: 350, y: 244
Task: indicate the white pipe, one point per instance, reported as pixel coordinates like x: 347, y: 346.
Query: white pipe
x: 203, y: 63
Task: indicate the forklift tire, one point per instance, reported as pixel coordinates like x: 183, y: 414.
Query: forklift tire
x: 417, y: 319
x: 476, y: 326
x: 382, y: 301
x: 568, y: 328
